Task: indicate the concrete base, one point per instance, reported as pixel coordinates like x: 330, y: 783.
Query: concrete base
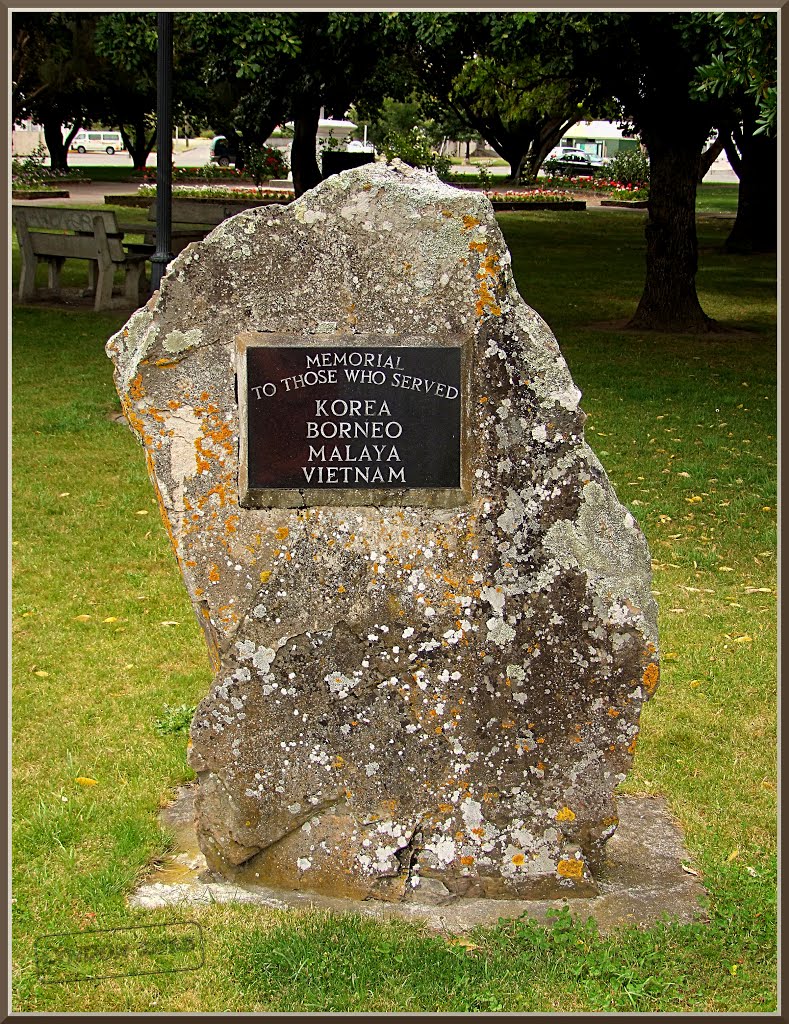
x: 646, y: 878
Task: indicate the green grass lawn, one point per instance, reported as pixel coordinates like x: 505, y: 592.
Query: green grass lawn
x: 104, y: 638
x: 717, y: 197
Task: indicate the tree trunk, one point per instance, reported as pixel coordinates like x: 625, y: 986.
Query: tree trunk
x: 517, y: 163
x: 755, y: 227
x: 711, y: 154
x: 669, y: 301
x: 235, y: 145
x: 70, y: 137
x: 58, y: 151
x: 304, y: 163
x: 138, y: 146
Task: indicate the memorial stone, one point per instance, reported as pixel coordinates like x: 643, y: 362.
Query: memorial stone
x: 429, y: 617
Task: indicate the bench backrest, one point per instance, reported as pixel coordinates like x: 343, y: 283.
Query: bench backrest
x: 88, y: 226
x: 54, y: 219
x: 202, y: 212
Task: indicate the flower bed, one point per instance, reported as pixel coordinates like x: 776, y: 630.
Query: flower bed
x: 534, y: 199
x: 206, y: 172
x: 630, y: 192
x: 634, y: 191
x: 224, y: 192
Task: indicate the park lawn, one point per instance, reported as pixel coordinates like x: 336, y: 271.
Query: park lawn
x: 717, y: 196
x: 104, y: 172
x: 104, y: 639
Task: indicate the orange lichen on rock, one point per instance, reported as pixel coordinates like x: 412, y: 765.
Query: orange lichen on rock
x: 136, y: 389
x: 489, y: 267
x: 650, y: 677
x: 570, y: 868
x: 486, y: 301
x: 565, y: 814
x: 470, y: 222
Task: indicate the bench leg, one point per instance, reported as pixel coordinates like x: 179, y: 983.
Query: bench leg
x: 27, y: 278
x: 91, y: 289
x: 103, y: 298
x: 54, y: 266
x: 134, y: 281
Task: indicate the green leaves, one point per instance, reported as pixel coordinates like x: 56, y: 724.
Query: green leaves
x: 745, y: 63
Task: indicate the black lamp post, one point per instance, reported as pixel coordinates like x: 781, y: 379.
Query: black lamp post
x: 164, y: 148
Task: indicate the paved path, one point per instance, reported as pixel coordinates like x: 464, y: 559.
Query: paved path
x: 91, y: 193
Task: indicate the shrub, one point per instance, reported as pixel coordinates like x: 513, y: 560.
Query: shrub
x: 413, y: 147
x: 31, y: 170
x: 630, y: 167
x: 266, y: 163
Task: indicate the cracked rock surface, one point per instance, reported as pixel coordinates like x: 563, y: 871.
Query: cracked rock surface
x: 406, y: 699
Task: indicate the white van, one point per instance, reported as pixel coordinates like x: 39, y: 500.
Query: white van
x: 98, y: 142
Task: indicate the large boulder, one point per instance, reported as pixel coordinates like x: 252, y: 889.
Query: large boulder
x: 409, y: 701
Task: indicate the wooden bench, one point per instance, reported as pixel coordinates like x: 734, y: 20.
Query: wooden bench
x: 189, y: 223
x: 55, y: 235
x: 193, y: 219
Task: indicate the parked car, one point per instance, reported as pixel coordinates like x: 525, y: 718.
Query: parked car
x: 571, y: 162
x: 98, y: 142
x: 221, y: 152
x: 558, y: 152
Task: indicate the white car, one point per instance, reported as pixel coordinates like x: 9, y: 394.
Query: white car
x: 98, y: 142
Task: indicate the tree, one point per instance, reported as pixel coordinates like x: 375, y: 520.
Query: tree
x: 474, y: 69
x: 743, y: 71
x: 519, y: 112
x: 452, y: 127
x: 230, y: 72
x: 711, y: 154
x: 645, y: 63
x: 75, y: 69
x: 54, y: 76
x: 127, y: 43
x: 648, y: 63
x: 391, y: 117
x: 344, y: 57
x: 261, y: 70
x: 745, y: 62
x: 754, y: 157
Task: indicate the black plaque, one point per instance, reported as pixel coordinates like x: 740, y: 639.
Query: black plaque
x: 350, y: 419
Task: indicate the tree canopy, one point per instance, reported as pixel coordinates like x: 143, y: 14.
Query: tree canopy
x: 518, y: 79
x: 56, y: 79
x: 743, y: 74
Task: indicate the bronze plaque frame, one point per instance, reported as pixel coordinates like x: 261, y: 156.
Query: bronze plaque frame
x: 301, y: 497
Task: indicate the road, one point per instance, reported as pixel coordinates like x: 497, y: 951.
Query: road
x: 199, y: 151
x: 197, y: 155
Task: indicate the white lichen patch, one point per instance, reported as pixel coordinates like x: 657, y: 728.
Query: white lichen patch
x: 179, y: 341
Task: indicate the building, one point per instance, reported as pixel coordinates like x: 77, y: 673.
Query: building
x: 600, y: 139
